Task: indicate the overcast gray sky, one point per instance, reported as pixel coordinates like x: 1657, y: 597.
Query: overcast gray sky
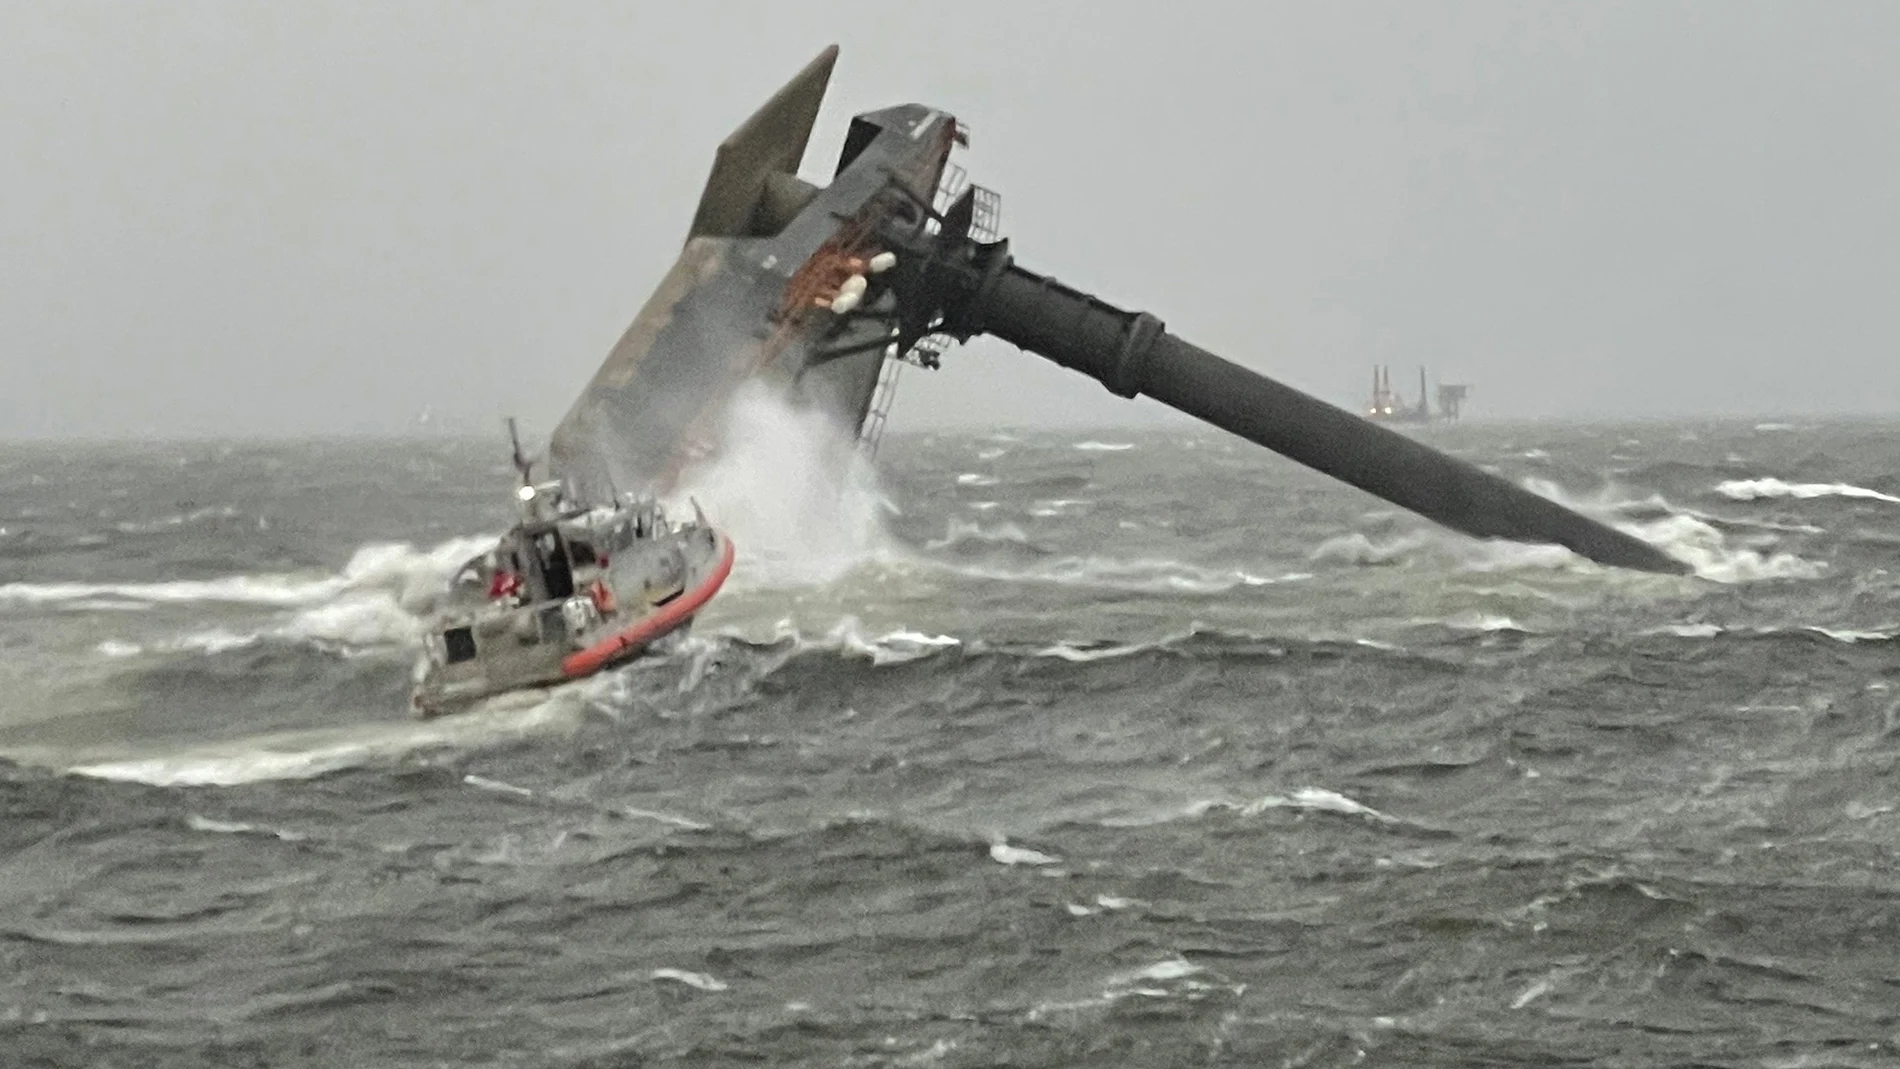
x: 294, y: 217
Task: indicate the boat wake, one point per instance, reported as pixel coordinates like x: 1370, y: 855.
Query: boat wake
x: 295, y: 755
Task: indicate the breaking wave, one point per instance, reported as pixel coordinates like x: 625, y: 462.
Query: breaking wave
x: 799, y: 499
x: 818, y: 668
x: 407, y: 575
x: 1139, y: 576
x: 1768, y: 488
x: 964, y: 538
x: 307, y: 754
x: 1707, y: 551
x: 1693, y: 537
x: 1685, y: 536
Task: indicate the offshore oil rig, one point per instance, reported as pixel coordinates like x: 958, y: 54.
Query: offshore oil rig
x: 820, y: 294
x: 1387, y: 406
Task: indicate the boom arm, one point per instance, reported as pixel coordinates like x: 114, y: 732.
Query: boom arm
x: 979, y: 288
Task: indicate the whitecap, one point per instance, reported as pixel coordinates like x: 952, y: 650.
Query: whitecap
x: 398, y: 569
x: 230, y: 827
x: 958, y: 532
x: 1481, y: 621
x: 1758, y: 489
x: 307, y: 754
x: 1306, y: 798
x: 1356, y: 548
x: 1004, y: 854
x: 497, y: 786
x: 1693, y: 541
x: 700, y: 980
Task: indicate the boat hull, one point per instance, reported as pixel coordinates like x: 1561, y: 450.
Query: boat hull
x: 615, y: 619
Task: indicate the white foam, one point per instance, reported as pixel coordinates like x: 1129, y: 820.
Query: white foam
x: 1704, y: 549
x: 848, y: 636
x: 1852, y: 635
x: 1696, y: 630
x: 1482, y: 621
x: 1104, y: 447
x: 227, y: 827
x: 699, y: 980
x: 497, y: 786
x: 1693, y: 541
x: 1173, y: 969
x: 794, y: 492
x: 304, y: 755
x: 1056, y: 506
x: 1845, y: 635
x: 1530, y: 993
x: 356, y: 620
x: 1075, y: 654
x: 398, y: 569
x: 1356, y: 548
x: 1467, y: 554
x: 377, y: 600
x: 895, y: 647
x: 661, y: 818
x: 216, y: 640
x: 268, y: 590
x: 1758, y: 489
x: 1306, y: 798
x: 959, y: 532
x: 1146, y: 575
x: 225, y: 512
x: 1004, y: 854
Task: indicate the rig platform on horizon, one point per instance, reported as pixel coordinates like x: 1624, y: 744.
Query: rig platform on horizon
x: 1387, y: 406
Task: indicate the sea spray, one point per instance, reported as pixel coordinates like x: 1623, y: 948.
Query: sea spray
x: 1687, y: 538
x: 798, y: 498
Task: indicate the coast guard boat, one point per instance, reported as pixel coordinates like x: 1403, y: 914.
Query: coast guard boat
x: 566, y: 592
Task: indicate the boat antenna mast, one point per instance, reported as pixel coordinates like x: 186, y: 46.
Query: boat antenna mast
x: 526, y: 493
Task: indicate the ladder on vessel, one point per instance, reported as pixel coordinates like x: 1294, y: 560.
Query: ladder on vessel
x: 872, y: 434
x: 985, y: 225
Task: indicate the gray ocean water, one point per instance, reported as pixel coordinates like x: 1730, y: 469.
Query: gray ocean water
x: 1026, y: 749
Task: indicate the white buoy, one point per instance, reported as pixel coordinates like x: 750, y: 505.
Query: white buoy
x: 846, y: 300
x: 883, y: 261
x: 853, y: 285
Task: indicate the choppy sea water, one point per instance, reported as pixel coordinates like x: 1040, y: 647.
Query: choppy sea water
x: 1111, y: 748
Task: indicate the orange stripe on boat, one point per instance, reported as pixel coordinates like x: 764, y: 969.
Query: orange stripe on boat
x: 674, y: 614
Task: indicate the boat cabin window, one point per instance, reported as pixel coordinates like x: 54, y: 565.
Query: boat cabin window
x: 458, y: 643
x: 581, y: 552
